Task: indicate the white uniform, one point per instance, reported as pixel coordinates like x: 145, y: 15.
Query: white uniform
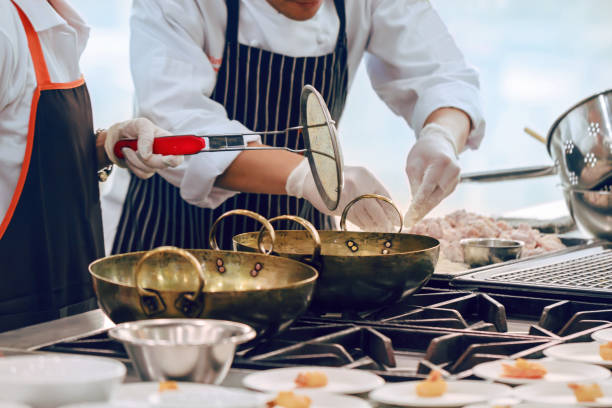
x: 63, y: 35
x: 177, y: 48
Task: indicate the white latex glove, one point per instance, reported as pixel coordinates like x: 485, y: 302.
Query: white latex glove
x: 433, y: 171
x: 368, y: 214
x: 143, y: 163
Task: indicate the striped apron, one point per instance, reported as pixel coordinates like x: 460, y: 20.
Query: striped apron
x: 261, y: 89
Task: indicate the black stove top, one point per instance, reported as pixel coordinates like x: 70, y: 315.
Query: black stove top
x: 448, y: 329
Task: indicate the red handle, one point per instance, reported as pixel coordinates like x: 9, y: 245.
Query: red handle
x: 166, y: 145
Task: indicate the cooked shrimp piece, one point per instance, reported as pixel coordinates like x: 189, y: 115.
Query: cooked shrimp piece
x: 605, y: 351
x: 287, y: 399
x: 311, y: 379
x: 587, y: 392
x: 433, y: 386
x: 523, y: 369
x: 167, y: 386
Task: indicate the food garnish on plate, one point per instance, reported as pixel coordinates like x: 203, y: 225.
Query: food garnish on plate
x: 287, y: 399
x: 586, y: 392
x: 433, y: 386
x: 523, y: 369
x: 605, y: 351
x: 311, y: 379
x: 167, y: 386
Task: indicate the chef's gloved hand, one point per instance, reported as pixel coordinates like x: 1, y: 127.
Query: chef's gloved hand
x: 433, y: 171
x: 368, y: 214
x: 143, y: 163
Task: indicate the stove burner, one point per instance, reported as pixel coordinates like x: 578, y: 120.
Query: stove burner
x: 435, y: 328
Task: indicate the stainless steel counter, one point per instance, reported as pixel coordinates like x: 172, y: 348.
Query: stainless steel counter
x: 68, y: 328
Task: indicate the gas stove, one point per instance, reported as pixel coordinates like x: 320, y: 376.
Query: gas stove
x: 451, y: 330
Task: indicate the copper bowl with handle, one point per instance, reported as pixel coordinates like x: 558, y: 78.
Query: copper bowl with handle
x: 263, y: 291
x: 357, y: 270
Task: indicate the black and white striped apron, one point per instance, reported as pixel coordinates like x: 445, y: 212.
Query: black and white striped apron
x: 261, y: 89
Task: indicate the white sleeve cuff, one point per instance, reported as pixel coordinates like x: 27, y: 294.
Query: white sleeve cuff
x: 451, y: 95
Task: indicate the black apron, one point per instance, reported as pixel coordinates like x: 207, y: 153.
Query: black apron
x: 261, y: 89
x: 53, y: 227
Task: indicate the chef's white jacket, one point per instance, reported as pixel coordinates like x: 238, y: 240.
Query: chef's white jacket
x: 177, y: 48
x: 63, y: 35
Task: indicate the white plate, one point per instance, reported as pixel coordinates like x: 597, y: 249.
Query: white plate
x: 602, y: 336
x: 339, y: 380
x: 458, y: 394
x: 109, y: 404
x: 327, y: 400
x: 582, y: 352
x: 187, y: 395
x: 517, y: 405
x: 557, y: 371
x: 559, y: 394
x: 7, y: 404
x: 52, y: 380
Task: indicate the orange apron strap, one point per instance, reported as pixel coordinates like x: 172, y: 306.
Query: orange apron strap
x: 38, y: 58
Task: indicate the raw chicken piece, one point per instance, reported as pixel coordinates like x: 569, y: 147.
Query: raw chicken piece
x: 453, y: 251
x: 462, y: 224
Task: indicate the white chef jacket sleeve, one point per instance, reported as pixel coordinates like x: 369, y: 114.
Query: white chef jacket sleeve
x: 173, y: 80
x: 8, y: 64
x: 416, y: 67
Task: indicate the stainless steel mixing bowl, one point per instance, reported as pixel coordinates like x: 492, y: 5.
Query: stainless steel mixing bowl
x: 485, y: 251
x: 591, y: 211
x: 195, y: 350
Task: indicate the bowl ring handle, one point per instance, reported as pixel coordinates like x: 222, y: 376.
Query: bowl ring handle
x: 151, y: 300
x: 212, y: 237
x: 314, y: 234
x: 377, y: 197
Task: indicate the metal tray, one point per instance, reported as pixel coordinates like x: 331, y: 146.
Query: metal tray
x: 582, y: 270
x: 448, y: 271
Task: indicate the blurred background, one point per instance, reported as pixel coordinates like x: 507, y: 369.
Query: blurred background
x: 536, y: 59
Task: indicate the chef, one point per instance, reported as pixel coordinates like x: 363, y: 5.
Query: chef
x: 231, y: 66
x: 50, y: 163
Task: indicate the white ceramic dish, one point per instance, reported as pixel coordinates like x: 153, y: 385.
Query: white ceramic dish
x: 602, y: 336
x: 327, y: 400
x: 339, y: 380
x: 518, y: 405
x: 52, y: 380
x: 319, y: 399
x: 8, y: 404
x: 580, y: 352
x: 188, y: 395
x: 557, y: 371
x: 499, y: 402
x: 109, y: 404
x: 559, y: 394
x: 458, y: 394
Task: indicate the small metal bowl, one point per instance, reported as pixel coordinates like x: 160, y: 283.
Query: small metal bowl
x: 194, y: 350
x: 486, y: 251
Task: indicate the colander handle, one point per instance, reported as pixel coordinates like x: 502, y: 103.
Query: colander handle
x: 509, y: 174
x: 316, y: 253
x: 212, y: 237
x: 377, y: 197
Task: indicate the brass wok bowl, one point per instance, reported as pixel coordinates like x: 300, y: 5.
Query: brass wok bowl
x: 357, y: 270
x: 266, y: 292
